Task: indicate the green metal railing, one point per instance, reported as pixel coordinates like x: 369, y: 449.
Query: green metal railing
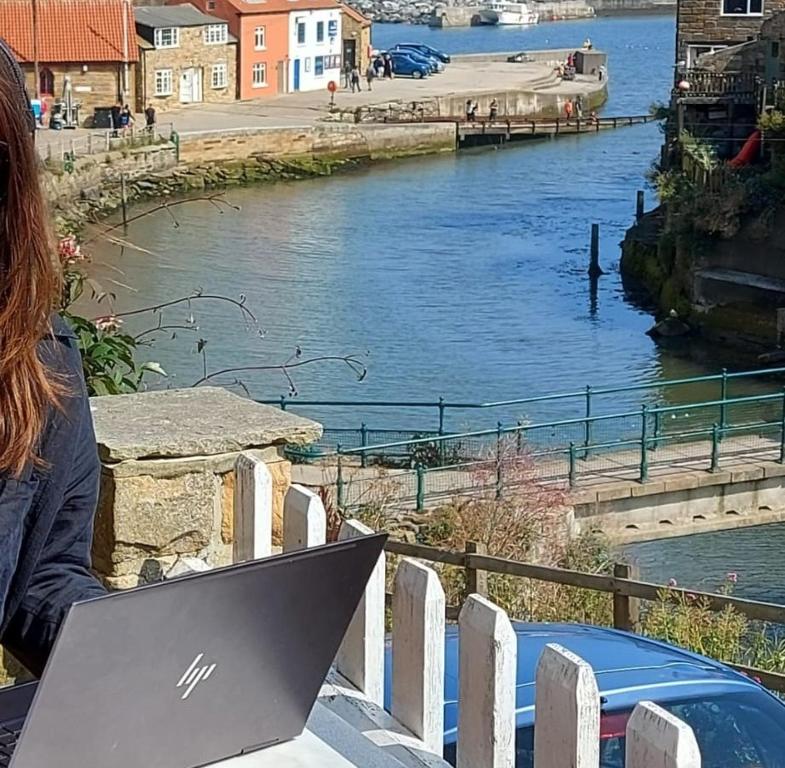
x: 496, y: 460
x: 586, y: 402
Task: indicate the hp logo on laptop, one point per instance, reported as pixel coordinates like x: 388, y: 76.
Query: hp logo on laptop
x: 194, y: 675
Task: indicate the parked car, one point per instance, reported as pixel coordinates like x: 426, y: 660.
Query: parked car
x: 436, y: 64
x: 432, y: 65
x: 427, y: 49
x: 737, y: 723
x: 406, y: 65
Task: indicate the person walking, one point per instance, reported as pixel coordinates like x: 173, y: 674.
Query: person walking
x: 388, y: 67
x: 568, y: 109
x: 378, y: 64
x: 347, y: 76
x: 49, y: 468
x: 493, y: 110
x: 468, y: 109
x: 370, y: 74
x: 149, y: 118
x: 579, y: 106
x: 116, y: 112
x: 355, y: 76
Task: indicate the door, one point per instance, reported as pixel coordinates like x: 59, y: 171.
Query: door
x: 191, y: 85
x: 349, y: 53
x: 296, y: 84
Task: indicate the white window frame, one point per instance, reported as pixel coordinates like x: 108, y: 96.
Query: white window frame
x: 161, y: 77
x: 220, y: 69
x: 297, y: 25
x: 316, y: 72
x: 693, y: 47
x: 174, y: 41
x: 744, y: 15
x: 259, y: 66
x: 216, y: 34
x: 260, y: 32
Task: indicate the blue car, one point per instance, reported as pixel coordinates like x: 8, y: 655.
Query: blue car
x: 426, y: 49
x: 406, y: 65
x: 435, y: 64
x: 430, y: 64
x: 738, y: 723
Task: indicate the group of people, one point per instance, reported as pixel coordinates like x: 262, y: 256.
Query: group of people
x: 382, y: 67
x: 122, y: 118
x: 472, y: 107
x: 576, y: 108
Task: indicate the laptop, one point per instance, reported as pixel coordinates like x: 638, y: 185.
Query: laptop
x: 186, y: 673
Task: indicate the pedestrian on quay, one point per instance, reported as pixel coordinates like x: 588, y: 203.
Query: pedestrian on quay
x: 370, y: 74
x: 568, y: 109
x: 149, y: 118
x: 473, y: 111
x: 570, y: 60
x: 469, y: 109
x: 579, y: 106
x: 115, y: 114
x: 388, y: 67
x: 378, y: 64
x: 355, y: 76
x: 126, y: 119
x: 347, y: 76
x: 493, y: 110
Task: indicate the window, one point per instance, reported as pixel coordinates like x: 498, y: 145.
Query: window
x: 318, y: 66
x: 219, y: 75
x: 300, y: 33
x: 215, y: 34
x: 163, y: 82
x: 319, y: 31
x: 260, y: 42
x: 46, y: 82
x: 694, y: 52
x: 259, y: 75
x: 742, y: 7
x: 210, y: 5
x: 167, y: 37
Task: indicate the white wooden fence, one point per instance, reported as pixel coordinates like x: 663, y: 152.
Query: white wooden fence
x: 567, y: 700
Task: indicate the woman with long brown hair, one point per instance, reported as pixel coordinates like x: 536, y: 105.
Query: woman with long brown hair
x: 49, y: 468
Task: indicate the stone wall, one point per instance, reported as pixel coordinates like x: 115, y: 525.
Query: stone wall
x: 167, y: 481
x: 354, y: 30
x: 701, y: 21
x: 99, y: 86
x: 192, y: 52
x: 321, y: 141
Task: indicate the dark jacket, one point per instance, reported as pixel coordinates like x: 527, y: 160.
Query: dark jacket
x: 46, y: 518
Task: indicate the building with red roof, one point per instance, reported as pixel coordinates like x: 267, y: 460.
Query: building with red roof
x: 284, y: 45
x: 91, y: 43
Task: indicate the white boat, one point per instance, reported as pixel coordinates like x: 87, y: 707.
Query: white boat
x: 499, y: 12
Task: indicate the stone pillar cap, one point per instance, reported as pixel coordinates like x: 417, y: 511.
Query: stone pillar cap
x: 202, y: 421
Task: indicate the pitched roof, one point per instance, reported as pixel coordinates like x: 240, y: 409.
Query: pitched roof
x: 173, y: 16
x: 356, y: 15
x: 281, y: 6
x: 78, y: 31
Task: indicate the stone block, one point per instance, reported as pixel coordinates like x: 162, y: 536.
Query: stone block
x: 684, y: 482
x: 614, y: 492
x: 649, y: 488
x: 773, y: 469
x: 706, y: 479
x: 746, y: 474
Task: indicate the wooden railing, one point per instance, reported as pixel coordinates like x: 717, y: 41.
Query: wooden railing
x: 739, y: 85
x: 567, y: 699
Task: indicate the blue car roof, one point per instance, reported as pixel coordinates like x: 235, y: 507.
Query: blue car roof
x: 628, y: 669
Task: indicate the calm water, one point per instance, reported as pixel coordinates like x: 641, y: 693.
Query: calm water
x: 460, y: 276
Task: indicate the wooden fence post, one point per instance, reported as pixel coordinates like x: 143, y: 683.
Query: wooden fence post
x: 488, y: 663
x: 626, y: 610
x: 418, y: 653
x: 253, y: 508
x: 304, y: 519
x: 361, y: 655
x: 657, y: 738
x: 567, y: 712
x: 476, y: 580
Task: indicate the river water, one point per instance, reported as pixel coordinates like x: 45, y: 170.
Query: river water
x: 461, y: 276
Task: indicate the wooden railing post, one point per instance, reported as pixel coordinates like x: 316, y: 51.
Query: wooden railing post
x: 361, y: 655
x: 304, y: 519
x: 253, y: 508
x: 487, y: 668
x: 476, y: 580
x: 418, y: 653
x: 567, y: 712
x: 626, y: 610
x: 656, y: 737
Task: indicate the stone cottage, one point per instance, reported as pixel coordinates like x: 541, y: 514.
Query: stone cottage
x: 185, y: 57
x: 356, y: 31
x: 88, y: 44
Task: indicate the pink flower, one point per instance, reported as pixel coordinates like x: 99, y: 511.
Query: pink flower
x: 732, y: 577
x: 672, y: 583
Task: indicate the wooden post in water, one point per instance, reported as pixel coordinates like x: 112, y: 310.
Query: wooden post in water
x: 594, y: 262
x: 124, y: 200
x: 639, y: 204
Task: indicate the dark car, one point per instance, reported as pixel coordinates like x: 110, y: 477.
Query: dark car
x: 406, y: 65
x: 737, y: 723
x: 426, y: 49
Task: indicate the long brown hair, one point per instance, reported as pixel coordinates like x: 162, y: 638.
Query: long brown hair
x: 29, y: 280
